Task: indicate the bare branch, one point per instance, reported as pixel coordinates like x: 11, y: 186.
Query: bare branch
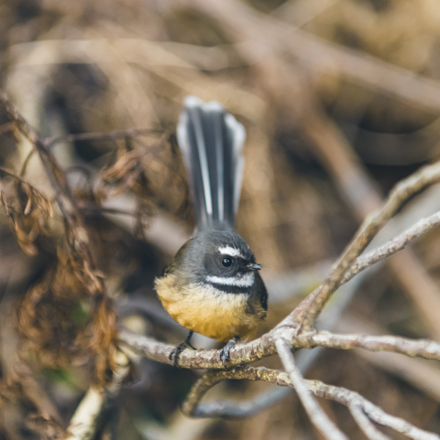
x: 361, y: 194
x: 281, y: 378
x: 318, y: 417
x: 365, y: 424
x: 410, y: 347
x: 199, y: 389
x: 265, y: 347
x: 397, y: 244
x: 376, y: 414
x: 307, y: 312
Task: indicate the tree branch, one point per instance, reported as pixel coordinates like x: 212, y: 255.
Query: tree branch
x: 397, y: 244
x: 365, y: 424
x: 265, y: 347
x: 281, y: 378
x: 318, y: 417
x: 310, y: 308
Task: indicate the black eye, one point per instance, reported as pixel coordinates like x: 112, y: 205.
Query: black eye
x: 226, y: 262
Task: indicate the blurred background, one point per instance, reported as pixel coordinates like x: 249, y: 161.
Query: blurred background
x: 340, y: 100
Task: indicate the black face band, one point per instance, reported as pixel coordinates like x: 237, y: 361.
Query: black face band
x: 226, y: 288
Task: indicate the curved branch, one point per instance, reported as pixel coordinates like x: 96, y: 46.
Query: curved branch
x: 318, y: 388
x: 318, y: 417
x: 396, y: 244
x: 365, y: 423
x: 310, y: 308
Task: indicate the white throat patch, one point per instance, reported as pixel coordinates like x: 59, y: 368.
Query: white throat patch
x: 228, y: 250
x: 247, y: 280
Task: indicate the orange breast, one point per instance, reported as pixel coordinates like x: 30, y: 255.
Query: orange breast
x: 208, y: 311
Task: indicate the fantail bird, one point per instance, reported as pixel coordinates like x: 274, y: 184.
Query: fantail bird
x: 212, y: 286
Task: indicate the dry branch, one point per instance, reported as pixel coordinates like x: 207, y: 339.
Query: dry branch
x: 307, y: 312
x: 365, y: 424
x: 265, y: 347
x: 396, y: 244
x: 362, y: 196
x: 341, y: 395
x: 318, y: 417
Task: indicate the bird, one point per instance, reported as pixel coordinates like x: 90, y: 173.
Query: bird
x: 213, y: 286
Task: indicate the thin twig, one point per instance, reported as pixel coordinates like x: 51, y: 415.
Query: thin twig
x: 281, y: 378
x: 359, y: 190
x: 318, y: 417
x: 410, y: 347
x: 376, y: 414
x: 397, y: 244
x: 365, y: 424
x: 307, y: 312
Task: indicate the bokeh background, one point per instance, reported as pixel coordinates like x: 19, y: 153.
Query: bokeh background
x: 340, y: 100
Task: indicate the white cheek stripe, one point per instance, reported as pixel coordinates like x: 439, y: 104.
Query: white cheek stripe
x: 228, y: 250
x: 246, y: 280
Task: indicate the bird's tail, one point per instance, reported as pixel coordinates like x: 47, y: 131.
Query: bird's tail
x: 211, y: 142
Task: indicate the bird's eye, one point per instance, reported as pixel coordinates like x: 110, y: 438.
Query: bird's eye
x: 226, y: 262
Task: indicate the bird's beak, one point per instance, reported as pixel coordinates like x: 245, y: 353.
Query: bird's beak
x: 252, y: 266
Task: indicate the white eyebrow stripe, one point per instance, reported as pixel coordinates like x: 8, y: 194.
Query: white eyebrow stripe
x: 246, y: 280
x: 228, y: 250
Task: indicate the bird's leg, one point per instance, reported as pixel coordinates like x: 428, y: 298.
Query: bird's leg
x: 174, y: 355
x: 224, y: 352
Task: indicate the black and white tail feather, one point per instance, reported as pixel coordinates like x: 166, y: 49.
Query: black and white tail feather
x: 211, y: 142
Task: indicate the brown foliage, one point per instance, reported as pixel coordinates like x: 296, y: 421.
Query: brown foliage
x: 63, y: 323
x: 310, y: 80
x: 29, y: 210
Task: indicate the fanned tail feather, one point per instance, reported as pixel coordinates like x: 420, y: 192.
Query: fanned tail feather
x: 211, y: 142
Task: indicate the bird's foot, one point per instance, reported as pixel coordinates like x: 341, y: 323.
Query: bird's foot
x: 175, y: 354
x: 225, y: 351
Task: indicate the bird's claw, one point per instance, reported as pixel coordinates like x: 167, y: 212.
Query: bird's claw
x: 226, y: 350
x: 175, y: 353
